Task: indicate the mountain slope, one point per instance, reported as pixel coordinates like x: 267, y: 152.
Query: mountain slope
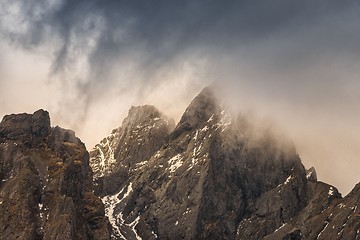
x: 214, y: 176
x: 128, y: 148
x: 46, y: 183
x: 327, y: 216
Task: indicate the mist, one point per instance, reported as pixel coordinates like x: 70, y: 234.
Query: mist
x: 294, y: 62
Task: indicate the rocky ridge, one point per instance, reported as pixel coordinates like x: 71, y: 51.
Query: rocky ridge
x: 46, y: 189
x: 213, y: 177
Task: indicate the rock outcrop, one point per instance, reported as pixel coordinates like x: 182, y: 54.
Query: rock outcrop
x: 215, y: 176
x: 326, y: 216
x: 121, y: 157
x: 46, y: 189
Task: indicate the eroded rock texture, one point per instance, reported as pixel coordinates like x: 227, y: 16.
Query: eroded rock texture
x: 46, y: 189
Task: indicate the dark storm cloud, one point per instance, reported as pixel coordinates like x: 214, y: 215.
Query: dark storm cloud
x: 274, y: 34
x: 293, y: 32
x: 301, y: 55
x: 273, y: 43
x: 165, y: 28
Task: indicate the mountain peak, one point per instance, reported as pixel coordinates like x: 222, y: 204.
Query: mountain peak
x: 144, y: 111
x: 25, y: 126
x: 203, y: 106
x: 200, y: 110
x: 139, y: 115
x: 140, y: 135
x: 356, y: 190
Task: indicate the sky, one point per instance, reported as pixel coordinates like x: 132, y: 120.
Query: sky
x: 88, y: 61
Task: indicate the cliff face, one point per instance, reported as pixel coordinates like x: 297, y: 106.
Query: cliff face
x: 213, y: 177
x: 46, y: 189
x: 120, y: 156
x: 326, y: 216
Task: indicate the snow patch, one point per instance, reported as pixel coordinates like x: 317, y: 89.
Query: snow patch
x: 204, y: 129
x: 140, y: 165
x: 225, y: 121
x: 155, y: 235
x: 288, y: 179
x: 110, y: 203
x: 196, y: 134
x: 308, y: 175
x: 341, y: 205
x: 341, y: 231
x: 188, y: 210
x: 326, y: 224
x: 175, y: 162
x: 331, y: 191
x: 105, y: 159
x: 211, y: 118
x: 133, y: 225
x: 157, y: 155
x: 196, y: 160
x: 280, y: 227
x: 40, y: 205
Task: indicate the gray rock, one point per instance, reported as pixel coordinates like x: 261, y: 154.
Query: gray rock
x: 213, y: 177
x: 46, y: 187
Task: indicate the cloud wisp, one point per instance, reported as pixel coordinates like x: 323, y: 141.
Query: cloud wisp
x: 89, y: 61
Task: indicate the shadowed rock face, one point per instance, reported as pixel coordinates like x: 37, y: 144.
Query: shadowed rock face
x: 46, y: 183
x: 326, y: 216
x: 213, y: 177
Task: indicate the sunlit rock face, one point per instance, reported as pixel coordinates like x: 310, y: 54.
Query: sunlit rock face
x: 46, y: 189
x: 213, y: 176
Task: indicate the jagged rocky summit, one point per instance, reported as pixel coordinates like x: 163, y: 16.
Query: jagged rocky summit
x: 46, y: 189
x: 213, y: 176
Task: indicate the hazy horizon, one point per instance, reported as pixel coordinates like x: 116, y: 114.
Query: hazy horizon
x: 294, y: 62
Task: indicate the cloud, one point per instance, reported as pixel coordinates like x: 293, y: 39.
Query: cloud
x: 89, y: 61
